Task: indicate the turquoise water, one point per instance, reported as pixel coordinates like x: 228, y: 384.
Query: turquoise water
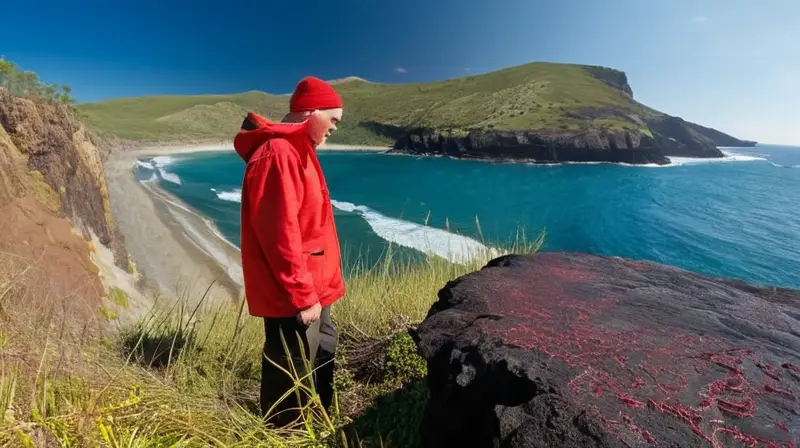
x: 737, y: 218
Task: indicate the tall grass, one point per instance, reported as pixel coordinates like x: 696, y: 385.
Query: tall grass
x: 189, y: 375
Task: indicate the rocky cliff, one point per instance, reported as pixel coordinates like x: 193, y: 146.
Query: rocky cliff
x: 534, y: 146
x: 663, y: 136
x: 54, y: 200
x: 628, y: 132
x: 575, y: 350
x: 613, y: 78
x: 720, y: 138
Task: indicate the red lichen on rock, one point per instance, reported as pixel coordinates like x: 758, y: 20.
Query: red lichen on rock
x: 773, y: 389
x: 579, y: 330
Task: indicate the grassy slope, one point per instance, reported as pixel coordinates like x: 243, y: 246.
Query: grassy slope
x: 190, y: 377
x: 535, y: 96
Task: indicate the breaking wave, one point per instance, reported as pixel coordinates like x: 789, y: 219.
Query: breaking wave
x: 230, y: 196
x: 430, y: 240
x: 145, y: 165
x: 159, y: 163
x: 730, y: 156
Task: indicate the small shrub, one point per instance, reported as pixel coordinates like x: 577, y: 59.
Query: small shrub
x: 403, y: 364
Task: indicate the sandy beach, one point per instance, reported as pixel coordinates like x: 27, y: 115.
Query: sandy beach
x: 177, y: 252
x: 171, y: 258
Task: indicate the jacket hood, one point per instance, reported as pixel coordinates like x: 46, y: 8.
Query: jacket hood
x: 257, y: 130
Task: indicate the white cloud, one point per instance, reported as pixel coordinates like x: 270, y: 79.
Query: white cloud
x: 401, y: 70
x: 467, y: 70
x: 699, y: 19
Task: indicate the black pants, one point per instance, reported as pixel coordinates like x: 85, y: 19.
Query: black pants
x: 275, y: 383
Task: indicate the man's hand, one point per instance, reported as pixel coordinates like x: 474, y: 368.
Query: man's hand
x: 310, y: 315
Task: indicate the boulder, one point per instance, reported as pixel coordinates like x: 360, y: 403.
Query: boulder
x: 576, y: 350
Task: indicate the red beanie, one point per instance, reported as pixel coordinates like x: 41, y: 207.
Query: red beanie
x: 313, y: 93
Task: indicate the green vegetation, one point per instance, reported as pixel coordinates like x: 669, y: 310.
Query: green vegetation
x: 118, y: 297
x: 188, y: 374
x: 27, y: 84
x: 547, y: 97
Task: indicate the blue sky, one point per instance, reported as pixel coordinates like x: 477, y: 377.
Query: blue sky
x: 730, y: 64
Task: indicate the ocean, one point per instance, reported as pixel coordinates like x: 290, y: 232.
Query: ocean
x: 738, y: 217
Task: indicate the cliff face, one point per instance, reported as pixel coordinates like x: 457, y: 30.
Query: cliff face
x: 623, y: 147
x: 720, y: 138
x: 53, y: 196
x: 666, y: 136
x: 57, y: 146
x: 674, y: 137
x: 613, y: 78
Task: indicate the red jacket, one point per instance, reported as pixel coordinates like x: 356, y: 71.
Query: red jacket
x: 290, y: 249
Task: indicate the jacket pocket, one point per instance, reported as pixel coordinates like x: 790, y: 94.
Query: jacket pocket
x: 314, y: 244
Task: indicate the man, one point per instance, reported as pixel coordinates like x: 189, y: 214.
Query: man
x: 290, y: 248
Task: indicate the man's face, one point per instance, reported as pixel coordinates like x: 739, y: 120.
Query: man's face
x: 326, y: 120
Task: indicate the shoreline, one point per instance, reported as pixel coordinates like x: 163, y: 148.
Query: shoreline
x: 158, y: 149
x: 177, y: 252
x: 729, y: 155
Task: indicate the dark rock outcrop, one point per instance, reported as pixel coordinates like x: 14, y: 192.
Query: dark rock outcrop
x: 575, y: 350
x: 721, y: 138
x: 600, y: 146
x: 668, y: 136
x: 613, y: 78
x: 675, y: 137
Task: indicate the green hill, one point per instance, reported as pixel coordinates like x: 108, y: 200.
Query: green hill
x: 561, y: 100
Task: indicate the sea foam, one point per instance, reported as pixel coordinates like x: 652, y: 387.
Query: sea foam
x: 145, y: 165
x: 159, y: 163
x: 730, y: 156
x: 453, y: 247
x: 230, y: 196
